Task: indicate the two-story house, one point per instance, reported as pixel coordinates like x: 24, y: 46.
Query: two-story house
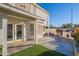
x: 22, y: 21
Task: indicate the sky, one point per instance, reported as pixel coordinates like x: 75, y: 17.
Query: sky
x: 60, y: 13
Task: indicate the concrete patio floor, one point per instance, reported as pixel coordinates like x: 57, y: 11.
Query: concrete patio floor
x: 17, y: 46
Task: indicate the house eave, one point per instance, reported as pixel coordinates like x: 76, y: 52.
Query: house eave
x: 12, y: 9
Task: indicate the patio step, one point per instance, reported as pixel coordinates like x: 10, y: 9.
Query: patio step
x: 12, y: 50
x: 20, y: 43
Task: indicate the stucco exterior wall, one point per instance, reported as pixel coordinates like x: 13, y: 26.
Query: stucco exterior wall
x: 43, y: 15
x: 34, y: 9
x: 53, y: 31
x: 64, y: 34
x: 39, y: 29
x: 23, y: 6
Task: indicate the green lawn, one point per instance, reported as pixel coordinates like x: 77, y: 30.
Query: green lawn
x: 0, y: 50
x: 37, y: 50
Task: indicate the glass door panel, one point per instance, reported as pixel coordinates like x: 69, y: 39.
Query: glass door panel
x: 9, y: 32
x: 19, y: 32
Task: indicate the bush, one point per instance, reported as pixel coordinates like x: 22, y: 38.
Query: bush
x: 76, y: 36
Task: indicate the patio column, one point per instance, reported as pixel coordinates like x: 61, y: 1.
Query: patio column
x: 4, y: 35
x: 15, y: 32
x: 24, y: 31
x: 35, y: 32
x: 48, y: 26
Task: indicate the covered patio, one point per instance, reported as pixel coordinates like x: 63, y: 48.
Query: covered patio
x: 20, y: 34
x: 18, y: 27
x: 17, y: 46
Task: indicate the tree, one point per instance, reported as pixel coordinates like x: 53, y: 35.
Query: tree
x: 69, y: 25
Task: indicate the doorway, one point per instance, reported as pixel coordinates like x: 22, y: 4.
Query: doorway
x: 14, y: 32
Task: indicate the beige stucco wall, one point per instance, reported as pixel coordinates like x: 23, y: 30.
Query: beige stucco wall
x: 34, y: 9
x: 39, y: 29
x: 53, y: 31
x: 43, y: 15
x: 64, y: 34
x: 23, y: 6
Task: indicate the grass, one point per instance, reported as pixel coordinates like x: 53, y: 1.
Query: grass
x: 37, y: 50
x: 0, y: 50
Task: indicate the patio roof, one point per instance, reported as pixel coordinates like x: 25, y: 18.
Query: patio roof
x: 11, y: 10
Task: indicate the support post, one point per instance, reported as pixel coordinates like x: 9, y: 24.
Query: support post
x: 48, y: 25
x: 4, y: 35
x: 15, y: 33
x: 24, y: 32
x: 35, y: 32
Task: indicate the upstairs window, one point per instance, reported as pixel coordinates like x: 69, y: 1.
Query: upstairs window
x: 32, y: 29
x: 23, y: 6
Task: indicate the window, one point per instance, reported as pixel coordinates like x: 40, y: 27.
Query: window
x: 34, y: 10
x: 40, y: 29
x: 32, y: 29
x: 23, y: 6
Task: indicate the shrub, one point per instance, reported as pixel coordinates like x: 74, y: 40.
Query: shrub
x: 76, y: 36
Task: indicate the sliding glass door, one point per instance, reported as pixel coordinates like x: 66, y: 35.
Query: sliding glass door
x: 14, y: 33
x: 9, y: 32
x: 19, y: 32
